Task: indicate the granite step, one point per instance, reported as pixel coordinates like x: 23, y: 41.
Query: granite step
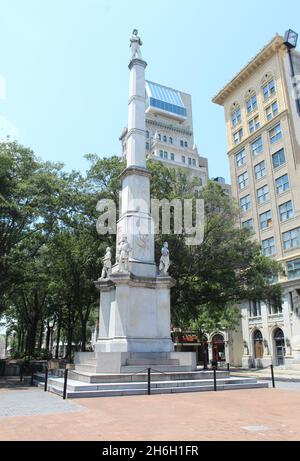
x: 165, y: 390
x: 161, y: 368
x: 152, y: 362
x: 130, y: 377
x: 78, y: 386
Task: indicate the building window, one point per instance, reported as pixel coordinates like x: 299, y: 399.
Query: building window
x: 269, y: 89
x: 258, y: 344
x: 254, y: 124
x: 263, y: 194
x: 278, y: 158
x: 265, y: 219
x: 275, y: 133
x: 245, y: 203
x: 159, y: 136
x: 286, y: 211
x: 255, y: 308
x: 185, y: 144
x: 268, y: 246
x: 274, y: 308
x: 172, y: 156
x: 183, y: 159
x: 291, y: 239
x: 189, y: 161
x: 293, y: 269
x: 243, y: 180
x: 165, y: 154
x: 147, y: 146
x: 282, y: 184
x: 257, y: 146
x: 248, y: 224
x: 161, y: 154
x: 194, y: 161
x: 181, y: 143
x: 165, y: 138
x: 251, y: 104
x: 237, y: 136
x: 241, y: 158
x: 147, y: 134
x: 272, y: 111
x: 291, y: 299
x: 170, y: 140
x: 260, y: 170
x: 236, y: 117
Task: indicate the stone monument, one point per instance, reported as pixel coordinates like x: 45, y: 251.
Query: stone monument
x: 134, y: 296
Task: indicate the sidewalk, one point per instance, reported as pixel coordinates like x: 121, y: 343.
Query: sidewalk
x: 256, y: 414
x: 280, y: 373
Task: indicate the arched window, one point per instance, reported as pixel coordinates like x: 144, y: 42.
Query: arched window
x: 279, y: 346
x: 268, y: 86
x: 236, y: 116
x: 251, y: 101
x: 258, y: 344
x: 218, y: 348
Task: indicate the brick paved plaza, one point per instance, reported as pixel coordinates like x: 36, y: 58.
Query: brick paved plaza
x: 260, y: 414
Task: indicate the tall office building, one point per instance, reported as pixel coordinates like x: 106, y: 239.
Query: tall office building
x: 262, y: 114
x: 169, y: 131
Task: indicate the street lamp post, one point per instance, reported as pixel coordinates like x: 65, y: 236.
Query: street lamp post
x: 290, y: 41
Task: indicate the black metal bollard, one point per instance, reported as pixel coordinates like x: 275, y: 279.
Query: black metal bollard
x: 272, y: 374
x: 228, y: 367
x: 215, y: 378
x: 149, y: 381
x: 32, y: 377
x: 65, y: 383
x: 46, y: 379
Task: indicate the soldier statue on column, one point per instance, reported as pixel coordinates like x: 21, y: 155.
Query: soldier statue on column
x: 135, y: 43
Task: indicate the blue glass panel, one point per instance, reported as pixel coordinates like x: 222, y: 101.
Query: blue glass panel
x: 168, y: 107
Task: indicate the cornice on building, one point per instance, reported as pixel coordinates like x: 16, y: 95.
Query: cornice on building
x: 169, y: 126
x: 275, y: 44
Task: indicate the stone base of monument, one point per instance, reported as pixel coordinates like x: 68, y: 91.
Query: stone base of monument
x: 132, y: 362
x: 84, y: 384
x: 166, y: 377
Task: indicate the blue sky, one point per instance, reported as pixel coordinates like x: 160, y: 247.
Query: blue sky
x: 64, y: 64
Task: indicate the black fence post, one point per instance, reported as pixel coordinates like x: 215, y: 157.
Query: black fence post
x: 22, y: 369
x: 65, y: 383
x: 149, y: 381
x: 46, y: 379
x: 228, y: 367
x: 215, y: 378
x: 272, y: 374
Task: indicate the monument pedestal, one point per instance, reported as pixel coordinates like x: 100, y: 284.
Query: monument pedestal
x: 135, y: 324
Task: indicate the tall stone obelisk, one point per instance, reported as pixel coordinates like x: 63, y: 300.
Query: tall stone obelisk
x: 134, y: 300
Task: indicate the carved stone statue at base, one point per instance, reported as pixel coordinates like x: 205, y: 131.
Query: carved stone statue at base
x: 164, y: 262
x: 123, y: 255
x: 106, y: 270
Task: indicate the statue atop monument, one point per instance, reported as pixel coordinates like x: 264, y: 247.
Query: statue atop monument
x: 164, y: 262
x: 106, y: 270
x: 135, y: 43
x: 123, y: 250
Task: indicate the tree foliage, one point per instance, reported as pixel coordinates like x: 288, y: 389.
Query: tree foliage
x: 50, y: 252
